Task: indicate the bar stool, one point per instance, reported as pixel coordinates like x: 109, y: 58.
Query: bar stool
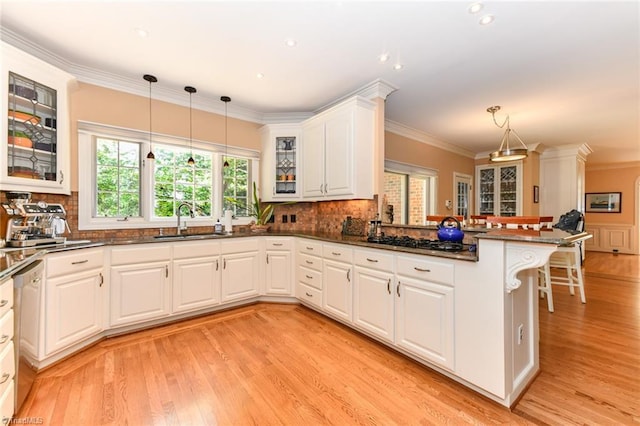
x: 514, y: 222
x: 478, y: 219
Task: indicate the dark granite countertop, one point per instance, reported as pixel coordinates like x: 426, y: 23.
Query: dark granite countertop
x: 14, y: 259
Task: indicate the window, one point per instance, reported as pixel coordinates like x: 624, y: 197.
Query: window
x: 119, y: 188
x: 409, y: 193
x: 176, y: 182
x: 117, y: 178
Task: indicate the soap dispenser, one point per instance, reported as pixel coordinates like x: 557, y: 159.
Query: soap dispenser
x: 217, y: 227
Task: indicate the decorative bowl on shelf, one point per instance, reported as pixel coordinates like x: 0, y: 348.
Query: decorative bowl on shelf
x: 20, y: 141
x: 24, y: 116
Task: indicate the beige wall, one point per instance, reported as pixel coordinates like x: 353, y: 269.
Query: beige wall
x: 409, y: 151
x: 620, y: 178
x: 106, y: 106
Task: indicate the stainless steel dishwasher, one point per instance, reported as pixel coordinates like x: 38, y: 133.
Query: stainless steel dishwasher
x: 27, y: 295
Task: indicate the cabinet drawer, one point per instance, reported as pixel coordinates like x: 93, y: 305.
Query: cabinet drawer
x: 309, y: 277
x: 6, y: 329
x: 310, y: 295
x: 189, y: 250
x: 7, y: 367
x: 239, y: 245
x: 374, y: 260
x: 311, y: 262
x: 7, y: 401
x: 74, y: 261
x: 337, y: 252
x: 278, y: 243
x: 140, y: 253
x: 428, y: 270
x: 309, y: 247
x: 6, y: 297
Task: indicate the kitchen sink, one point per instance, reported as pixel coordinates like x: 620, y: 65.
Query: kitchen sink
x: 186, y: 236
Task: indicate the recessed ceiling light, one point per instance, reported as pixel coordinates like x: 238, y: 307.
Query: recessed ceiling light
x: 260, y: 76
x: 142, y: 32
x: 384, y: 57
x: 475, y: 7
x: 486, y: 20
x: 290, y: 42
x: 398, y: 67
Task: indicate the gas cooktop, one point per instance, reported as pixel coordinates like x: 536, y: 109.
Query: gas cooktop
x: 421, y: 243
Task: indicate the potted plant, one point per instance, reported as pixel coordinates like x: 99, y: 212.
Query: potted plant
x: 262, y: 212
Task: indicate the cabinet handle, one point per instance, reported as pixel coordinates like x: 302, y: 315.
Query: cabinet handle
x: 349, y: 275
x: 335, y: 254
x: 372, y: 260
x: 166, y: 271
x: 5, y: 377
x: 78, y: 262
x: 36, y: 280
x: 277, y: 244
x: 309, y: 277
x: 274, y: 190
x: 421, y: 270
x: 325, y: 188
x: 309, y: 262
x: 217, y: 265
x: 398, y: 289
x: 4, y: 338
x: 61, y: 177
x: 308, y: 294
x: 389, y: 286
x: 310, y: 248
x: 224, y: 263
x: 101, y: 279
x: 321, y: 191
x: 3, y: 302
x: 267, y: 259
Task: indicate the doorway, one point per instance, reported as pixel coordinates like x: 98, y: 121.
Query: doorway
x: 462, y: 195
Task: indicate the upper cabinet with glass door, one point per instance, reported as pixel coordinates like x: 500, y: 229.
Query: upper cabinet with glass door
x: 279, y: 162
x: 499, y: 190
x: 35, y: 142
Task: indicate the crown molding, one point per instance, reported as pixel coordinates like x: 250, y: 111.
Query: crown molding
x: 417, y: 135
x: 376, y: 89
x: 578, y: 151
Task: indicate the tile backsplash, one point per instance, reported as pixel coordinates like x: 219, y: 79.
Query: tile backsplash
x: 321, y: 216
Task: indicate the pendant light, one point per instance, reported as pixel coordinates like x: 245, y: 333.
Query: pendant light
x: 505, y: 152
x: 191, y: 91
x: 151, y: 79
x: 226, y: 100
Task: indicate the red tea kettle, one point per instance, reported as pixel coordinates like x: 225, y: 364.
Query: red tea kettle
x: 449, y: 232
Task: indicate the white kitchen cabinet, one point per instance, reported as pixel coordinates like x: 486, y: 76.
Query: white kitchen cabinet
x: 196, y: 275
x: 140, y: 283
x: 278, y: 271
x: 279, y: 162
x: 240, y: 269
x: 74, y: 288
x: 7, y: 351
x: 424, y: 309
x: 499, y: 190
x: 309, y: 272
x: 373, y: 293
x: 337, y: 152
x: 337, y: 286
x: 35, y: 144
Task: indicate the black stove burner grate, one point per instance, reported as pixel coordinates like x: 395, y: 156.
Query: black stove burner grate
x: 421, y: 243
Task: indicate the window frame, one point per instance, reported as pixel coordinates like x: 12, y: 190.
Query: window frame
x: 410, y: 170
x: 88, y: 131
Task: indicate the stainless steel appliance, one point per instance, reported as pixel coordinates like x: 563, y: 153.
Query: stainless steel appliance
x: 33, y: 224
x: 27, y: 295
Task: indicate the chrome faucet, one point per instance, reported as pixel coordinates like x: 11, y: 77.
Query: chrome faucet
x: 179, y: 215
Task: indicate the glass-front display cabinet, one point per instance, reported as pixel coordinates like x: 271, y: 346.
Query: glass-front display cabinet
x: 499, y: 190
x: 279, y: 162
x: 35, y: 142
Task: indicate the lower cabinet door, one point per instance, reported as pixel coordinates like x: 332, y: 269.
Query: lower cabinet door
x: 373, y: 302
x: 240, y: 276
x: 337, y: 290
x: 196, y: 283
x: 424, y: 320
x: 73, y: 309
x: 278, y: 273
x: 140, y: 292
x: 7, y: 402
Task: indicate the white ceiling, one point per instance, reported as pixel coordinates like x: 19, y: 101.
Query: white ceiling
x: 567, y: 73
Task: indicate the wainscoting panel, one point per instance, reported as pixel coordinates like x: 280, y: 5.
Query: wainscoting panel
x: 610, y: 238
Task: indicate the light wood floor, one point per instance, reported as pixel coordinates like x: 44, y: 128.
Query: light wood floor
x: 285, y: 364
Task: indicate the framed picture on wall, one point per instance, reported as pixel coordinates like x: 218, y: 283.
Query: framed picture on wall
x: 603, y: 202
